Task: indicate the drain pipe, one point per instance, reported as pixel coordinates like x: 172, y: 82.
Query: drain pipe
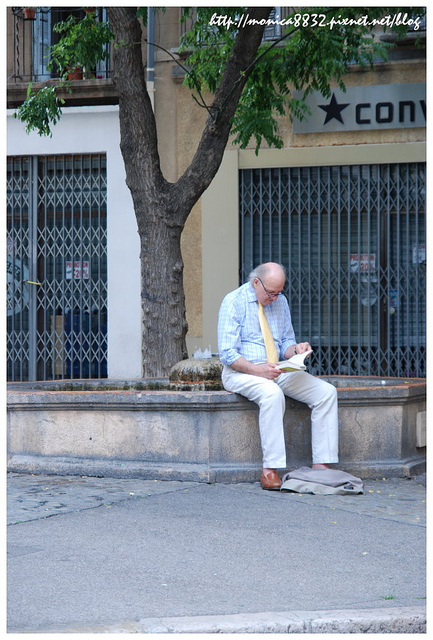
x: 150, y: 80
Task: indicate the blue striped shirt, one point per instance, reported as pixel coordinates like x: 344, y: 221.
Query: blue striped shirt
x: 239, y: 332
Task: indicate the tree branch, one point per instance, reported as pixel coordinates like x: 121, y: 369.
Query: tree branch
x: 208, y: 156
x: 137, y: 120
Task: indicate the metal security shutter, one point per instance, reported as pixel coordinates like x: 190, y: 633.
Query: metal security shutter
x: 19, y: 268
x: 353, y: 241
x: 57, y: 314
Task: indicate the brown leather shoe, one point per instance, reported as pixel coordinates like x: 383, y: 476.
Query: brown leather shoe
x: 270, y: 481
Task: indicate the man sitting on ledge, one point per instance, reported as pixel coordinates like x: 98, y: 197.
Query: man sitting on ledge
x: 249, y: 353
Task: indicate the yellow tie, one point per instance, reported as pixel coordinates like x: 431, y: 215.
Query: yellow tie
x: 271, y: 352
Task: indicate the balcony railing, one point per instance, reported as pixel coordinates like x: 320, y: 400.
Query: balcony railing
x: 28, y: 54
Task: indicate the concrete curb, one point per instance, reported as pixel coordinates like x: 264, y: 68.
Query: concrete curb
x: 396, y: 620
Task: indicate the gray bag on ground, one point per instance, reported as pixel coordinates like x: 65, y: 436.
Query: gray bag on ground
x: 322, y: 481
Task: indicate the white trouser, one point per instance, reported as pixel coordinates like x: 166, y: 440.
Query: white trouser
x: 319, y: 395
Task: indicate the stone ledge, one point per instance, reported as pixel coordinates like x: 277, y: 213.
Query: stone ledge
x: 228, y: 474
x: 205, y: 435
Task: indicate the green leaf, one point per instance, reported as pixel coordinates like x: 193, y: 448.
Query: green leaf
x: 40, y: 110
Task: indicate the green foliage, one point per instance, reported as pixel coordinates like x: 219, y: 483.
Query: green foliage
x: 40, y: 110
x: 307, y: 57
x: 82, y: 44
x: 208, y: 48
x: 143, y: 13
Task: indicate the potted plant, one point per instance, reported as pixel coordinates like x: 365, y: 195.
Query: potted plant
x: 81, y: 46
x: 83, y: 43
x: 29, y: 13
x: 75, y: 74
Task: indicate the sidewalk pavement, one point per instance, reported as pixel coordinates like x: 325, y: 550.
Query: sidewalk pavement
x: 104, y: 555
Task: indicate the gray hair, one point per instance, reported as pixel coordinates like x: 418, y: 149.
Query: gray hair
x: 262, y: 270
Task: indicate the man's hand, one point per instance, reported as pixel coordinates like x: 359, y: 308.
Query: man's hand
x: 302, y: 347
x: 268, y: 370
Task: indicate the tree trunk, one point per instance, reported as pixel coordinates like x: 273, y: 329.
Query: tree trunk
x: 162, y: 208
x: 163, y: 299
x: 160, y: 221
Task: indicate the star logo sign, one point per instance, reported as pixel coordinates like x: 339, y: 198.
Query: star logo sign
x: 333, y: 110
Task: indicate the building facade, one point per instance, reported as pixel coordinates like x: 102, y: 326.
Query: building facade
x: 342, y: 206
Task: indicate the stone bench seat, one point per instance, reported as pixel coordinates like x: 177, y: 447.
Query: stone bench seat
x: 208, y: 436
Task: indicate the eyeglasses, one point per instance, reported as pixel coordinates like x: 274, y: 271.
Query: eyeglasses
x: 268, y: 293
